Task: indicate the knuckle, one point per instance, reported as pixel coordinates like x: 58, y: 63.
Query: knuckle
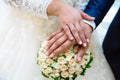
x: 66, y: 28
x: 82, y: 35
x: 74, y: 30
x: 56, y: 37
x: 59, y: 35
x: 61, y: 47
x: 56, y: 44
x: 57, y: 51
x: 81, y: 30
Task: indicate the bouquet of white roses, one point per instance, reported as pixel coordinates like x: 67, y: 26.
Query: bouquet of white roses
x: 64, y: 66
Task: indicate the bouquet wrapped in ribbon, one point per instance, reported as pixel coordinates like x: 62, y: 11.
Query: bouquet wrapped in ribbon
x: 63, y: 66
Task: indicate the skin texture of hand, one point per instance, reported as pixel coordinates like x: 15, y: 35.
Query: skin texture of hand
x: 71, y: 20
x: 59, y: 42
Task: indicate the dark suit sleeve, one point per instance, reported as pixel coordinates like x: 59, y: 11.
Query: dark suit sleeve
x: 98, y: 9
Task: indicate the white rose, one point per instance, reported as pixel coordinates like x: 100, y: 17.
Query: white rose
x: 56, y: 73
x: 71, y: 70
x: 49, y: 61
x: 69, y: 57
x: 72, y: 62
x: 79, y: 71
x: 42, y: 50
x: 64, y: 74
x: 49, y: 69
x: 77, y: 67
x: 63, y: 67
x: 44, y: 65
x: 45, y: 43
x: 61, y: 60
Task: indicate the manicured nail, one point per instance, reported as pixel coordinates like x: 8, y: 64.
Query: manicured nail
x: 87, y: 40
x: 84, y: 44
x: 80, y: 42
x: 52, y: 55
x: 71, y: 38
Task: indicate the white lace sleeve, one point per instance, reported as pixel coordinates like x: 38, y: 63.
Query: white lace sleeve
x: 36, y: 7
x: 81, y: 4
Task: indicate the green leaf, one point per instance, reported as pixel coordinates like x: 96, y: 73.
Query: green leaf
x: 83, y: 72
x: 74, y: 76
x: 38, y: 62
x: 88, y: 65
x: 37, y: 55
x: 45, y: 75
x: 57, y: 78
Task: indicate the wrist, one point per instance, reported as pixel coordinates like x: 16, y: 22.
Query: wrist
x: 55, y: 7
x: 89, y: 28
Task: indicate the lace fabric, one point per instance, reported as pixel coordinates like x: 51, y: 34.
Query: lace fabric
x: 35, y: 7
x: 38, y: 7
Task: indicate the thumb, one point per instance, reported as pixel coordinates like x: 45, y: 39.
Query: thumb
x: 86, y: 16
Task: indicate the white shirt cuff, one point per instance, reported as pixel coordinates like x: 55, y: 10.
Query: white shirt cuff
x: 91, y: 23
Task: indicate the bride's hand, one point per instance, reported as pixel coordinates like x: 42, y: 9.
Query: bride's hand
x: 70, y: 20
x: 58, y: 42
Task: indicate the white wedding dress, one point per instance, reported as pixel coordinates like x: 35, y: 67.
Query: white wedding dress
x: 23, y: 28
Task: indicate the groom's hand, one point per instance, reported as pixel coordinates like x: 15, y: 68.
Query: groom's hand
x: 71, y: 20
x: 58, y: 42
x: 83, y: 49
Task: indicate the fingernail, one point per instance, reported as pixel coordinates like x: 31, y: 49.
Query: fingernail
x: 52, y: 55
x: 71, y: 38
x: 80, y: 42
x: 87, y: 40
x: 84, y: 44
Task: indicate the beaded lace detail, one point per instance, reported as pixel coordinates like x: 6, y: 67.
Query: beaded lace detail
x: 36, y: 7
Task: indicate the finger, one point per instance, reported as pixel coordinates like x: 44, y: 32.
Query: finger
x: 75, y: 33
x: 78, y: 28
x: 68, y: 32
x: 56, y: 44
x: 88, y: 31
x: 87, y: 35
x: 82, y: 33
x: 54, y: 39
x: 62, y: 48
x: 81, y: 53
x: 86, y: 16
x: 53, y: 34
